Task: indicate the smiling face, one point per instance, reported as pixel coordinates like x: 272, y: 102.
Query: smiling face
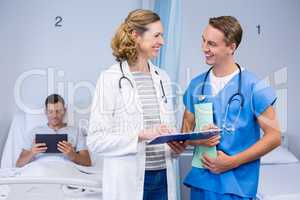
x: 55, y: 113
x: 149, y: 43
x: 215, y: 49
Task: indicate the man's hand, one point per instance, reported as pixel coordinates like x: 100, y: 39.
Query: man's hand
x: 38, y: 148
x: 67, y: 149
x: 213, y: 141
x: 210, y: 142
x: 222, y: 163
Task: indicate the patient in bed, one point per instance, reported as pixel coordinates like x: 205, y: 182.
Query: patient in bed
x: 74, y: 149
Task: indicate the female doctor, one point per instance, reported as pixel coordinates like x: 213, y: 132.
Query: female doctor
x: 131, y: 106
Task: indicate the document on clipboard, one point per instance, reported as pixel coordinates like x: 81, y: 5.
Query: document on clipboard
x: 200, y: 135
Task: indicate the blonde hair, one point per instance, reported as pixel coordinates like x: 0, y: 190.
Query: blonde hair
x: 123, y: 44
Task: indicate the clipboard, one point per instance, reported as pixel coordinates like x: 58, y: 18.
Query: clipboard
x: 200, y: 135
x: 51, y: 141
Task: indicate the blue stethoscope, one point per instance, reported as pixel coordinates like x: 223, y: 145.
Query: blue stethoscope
x: 240, y: 98
x: 123, y: 77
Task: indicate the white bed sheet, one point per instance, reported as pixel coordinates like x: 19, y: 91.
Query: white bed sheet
x: 279, y: 182
x: 45, y: 192
x: 51, y: 178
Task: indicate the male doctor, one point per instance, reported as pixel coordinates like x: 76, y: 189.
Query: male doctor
x: 242, y: 105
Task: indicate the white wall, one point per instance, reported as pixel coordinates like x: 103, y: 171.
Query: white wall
x: 269, y: 54
x: 39, y: 58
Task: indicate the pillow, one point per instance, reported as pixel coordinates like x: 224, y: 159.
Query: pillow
x: 34, y: 120
x: 280, y: 155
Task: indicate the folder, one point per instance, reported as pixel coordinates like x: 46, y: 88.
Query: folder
x: 203, y: 117
x: 185, y: 136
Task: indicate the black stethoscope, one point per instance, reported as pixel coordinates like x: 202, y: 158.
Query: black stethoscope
x: 239, y: 94
x: 123, y: 77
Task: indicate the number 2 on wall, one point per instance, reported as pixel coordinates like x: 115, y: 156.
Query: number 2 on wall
x: 58, y: 21
x: 258, y: 29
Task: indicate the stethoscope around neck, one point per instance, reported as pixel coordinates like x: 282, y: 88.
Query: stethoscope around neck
x: 123, y: 77
x: 232, y: 98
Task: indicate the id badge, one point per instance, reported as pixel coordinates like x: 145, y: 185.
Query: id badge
x: 203, y: 115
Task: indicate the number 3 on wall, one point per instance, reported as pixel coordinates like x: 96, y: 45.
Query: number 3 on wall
x: 58, y: 21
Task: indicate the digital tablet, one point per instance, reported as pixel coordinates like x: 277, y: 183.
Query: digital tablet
x: 185, y: 136
x: 51, y: 141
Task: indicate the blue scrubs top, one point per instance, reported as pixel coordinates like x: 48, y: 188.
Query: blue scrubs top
x: 243, y: 180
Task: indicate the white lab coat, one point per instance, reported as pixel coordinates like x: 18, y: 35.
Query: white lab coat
x: 115, y: 121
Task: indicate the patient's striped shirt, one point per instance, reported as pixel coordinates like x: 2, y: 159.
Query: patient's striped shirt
x: 155, y: 154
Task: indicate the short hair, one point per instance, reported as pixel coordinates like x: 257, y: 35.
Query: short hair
x: 122, y: 44
x: 54, y: 98
x: 230, y: 27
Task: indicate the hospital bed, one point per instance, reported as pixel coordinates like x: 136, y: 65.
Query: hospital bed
x: 47, y: 178
x: 279, y: 176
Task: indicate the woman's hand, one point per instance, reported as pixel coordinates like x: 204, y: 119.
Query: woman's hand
x: 177, y: 147
x: 149, y: 134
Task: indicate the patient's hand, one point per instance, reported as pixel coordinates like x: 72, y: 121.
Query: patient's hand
x: 67, y: 149
x: 38, y: 148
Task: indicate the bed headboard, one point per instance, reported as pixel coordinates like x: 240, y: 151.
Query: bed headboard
x: 21, y: 124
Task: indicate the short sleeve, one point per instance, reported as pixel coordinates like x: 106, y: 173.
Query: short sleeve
x: 28, y: 139
x: 81, y: 141
x: 188, y: 99
x: 263, y: 97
